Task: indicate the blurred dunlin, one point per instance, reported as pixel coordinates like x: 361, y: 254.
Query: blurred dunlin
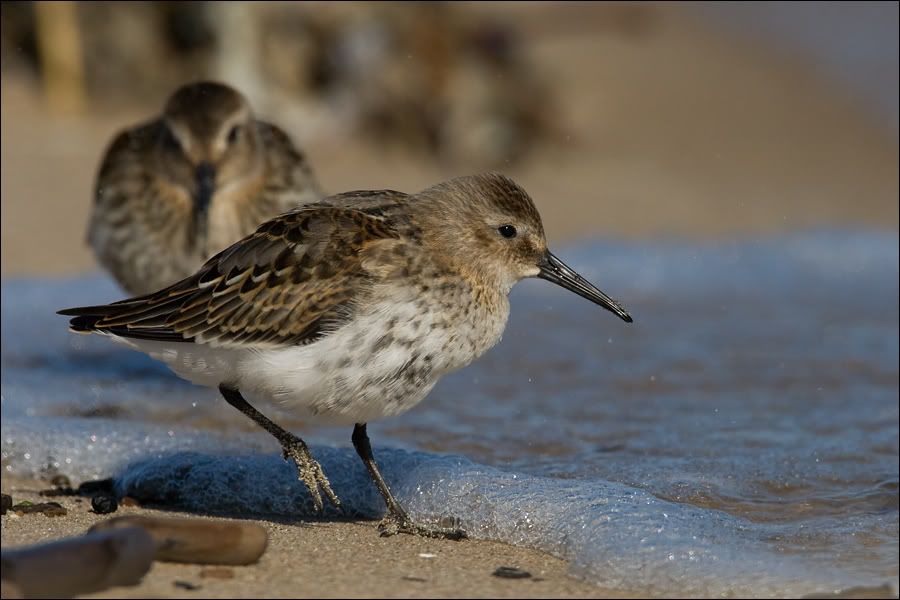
x: 173, y: 192
x: 349, y: 310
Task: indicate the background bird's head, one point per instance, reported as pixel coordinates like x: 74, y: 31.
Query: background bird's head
x: 209, y: 140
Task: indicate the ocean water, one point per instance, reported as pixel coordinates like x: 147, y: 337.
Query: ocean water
x: 739, y: 439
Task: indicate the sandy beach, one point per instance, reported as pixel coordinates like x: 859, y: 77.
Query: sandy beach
x: 318, y: 560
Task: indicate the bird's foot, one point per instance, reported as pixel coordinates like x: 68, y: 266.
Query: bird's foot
x: 397, y: 521
x: 311, y: 474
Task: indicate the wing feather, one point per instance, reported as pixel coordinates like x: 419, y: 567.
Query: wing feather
x: 285, y: 284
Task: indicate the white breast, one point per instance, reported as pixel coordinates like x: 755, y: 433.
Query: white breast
x: 382, y: 363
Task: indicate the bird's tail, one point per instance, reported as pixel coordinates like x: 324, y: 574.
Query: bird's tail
x: 140, y: 317
x: 85, y: 318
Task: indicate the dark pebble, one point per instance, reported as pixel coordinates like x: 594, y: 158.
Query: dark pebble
x: 511, y: 573
x: 186, y: 585
x: 50, y: 509
x: 103, y: 504
x: 7, y: 503
x: 54, y: 510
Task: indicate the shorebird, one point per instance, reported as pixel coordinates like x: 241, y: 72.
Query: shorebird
x: 349, y: 310
x: 172, y: 192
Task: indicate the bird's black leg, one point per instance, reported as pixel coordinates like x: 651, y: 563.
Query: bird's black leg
x: 396, y: 520
x: 309, y: 470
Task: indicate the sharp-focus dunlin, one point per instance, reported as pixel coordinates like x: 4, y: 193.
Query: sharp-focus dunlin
x: 349, y: 310
x: 172, y: 192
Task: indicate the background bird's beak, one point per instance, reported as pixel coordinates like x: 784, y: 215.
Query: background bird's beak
x: 555, y: 270
x: 205, y: 175
x: 206, y: 186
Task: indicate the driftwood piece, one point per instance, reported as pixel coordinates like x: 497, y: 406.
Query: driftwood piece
x: 80, y: 565
x: 200, y: 541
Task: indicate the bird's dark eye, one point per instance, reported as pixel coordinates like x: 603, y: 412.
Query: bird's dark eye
x: 234, y: 133
x: 507, y: 231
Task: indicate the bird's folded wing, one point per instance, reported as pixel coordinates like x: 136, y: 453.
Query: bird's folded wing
x: 290, y: 282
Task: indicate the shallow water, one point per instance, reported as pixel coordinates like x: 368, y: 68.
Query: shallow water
x: 741, y: 438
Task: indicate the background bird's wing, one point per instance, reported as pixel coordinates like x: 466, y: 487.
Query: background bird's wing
x: 288, y: 283
x: 134, y: 220
x: 124, y: 161
x: 290, y: 181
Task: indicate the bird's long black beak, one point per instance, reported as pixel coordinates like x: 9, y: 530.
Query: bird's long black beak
x: 555, y: 270
x: 205, y: 187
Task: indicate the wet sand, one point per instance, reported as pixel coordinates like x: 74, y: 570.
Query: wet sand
x: 318, y: 560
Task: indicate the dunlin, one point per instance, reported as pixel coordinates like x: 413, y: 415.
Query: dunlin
x: 349, y: 310
x: 172, y: 192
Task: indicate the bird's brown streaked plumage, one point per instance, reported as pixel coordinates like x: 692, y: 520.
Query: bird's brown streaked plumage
x: 282, y: 285
x: 172, y: 192
x: 349, y: 309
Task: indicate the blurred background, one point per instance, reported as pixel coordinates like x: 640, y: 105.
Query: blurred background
x: 622, y: 120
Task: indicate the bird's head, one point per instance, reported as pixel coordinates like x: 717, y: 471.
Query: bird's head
x: 209, y: 140
x: 489, y: 226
